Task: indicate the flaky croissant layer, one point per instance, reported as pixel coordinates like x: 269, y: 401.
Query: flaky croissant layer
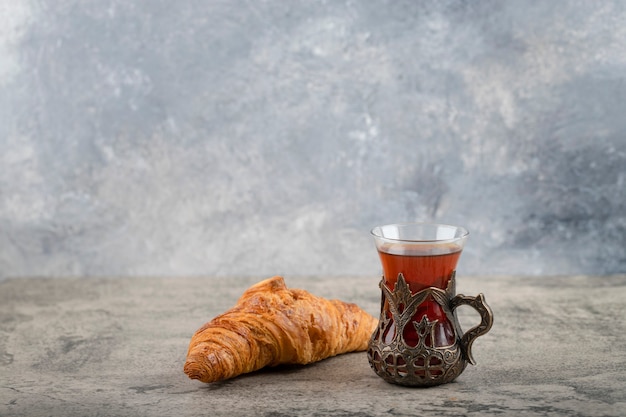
x: 272, y: 325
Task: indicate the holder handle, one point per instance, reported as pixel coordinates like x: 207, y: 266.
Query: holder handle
x: 486, y: 316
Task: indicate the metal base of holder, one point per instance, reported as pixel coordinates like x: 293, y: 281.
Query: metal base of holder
x: 423, y: 364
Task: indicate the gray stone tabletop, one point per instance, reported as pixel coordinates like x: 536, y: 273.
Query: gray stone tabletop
x: 116, y: 347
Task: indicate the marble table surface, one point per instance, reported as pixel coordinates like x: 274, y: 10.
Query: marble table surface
x: 116, y: 347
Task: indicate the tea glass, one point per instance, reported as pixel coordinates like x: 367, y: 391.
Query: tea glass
x: 419, y: 341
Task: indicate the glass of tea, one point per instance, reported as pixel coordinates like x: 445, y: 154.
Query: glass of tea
x: 418, y: 341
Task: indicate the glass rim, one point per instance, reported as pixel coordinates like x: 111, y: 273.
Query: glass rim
x: 464, y: 233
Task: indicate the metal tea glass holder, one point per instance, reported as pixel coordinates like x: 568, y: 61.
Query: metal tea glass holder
x: 424, y: 364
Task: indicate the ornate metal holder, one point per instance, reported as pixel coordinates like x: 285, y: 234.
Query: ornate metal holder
x: 421, y: 361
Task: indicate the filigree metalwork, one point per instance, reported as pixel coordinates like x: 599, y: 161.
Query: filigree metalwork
x: 420, y: 361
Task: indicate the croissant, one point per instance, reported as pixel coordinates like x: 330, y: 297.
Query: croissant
x: 272, y: 325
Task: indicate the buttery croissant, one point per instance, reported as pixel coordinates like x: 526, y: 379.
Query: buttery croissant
x: 273, y: 325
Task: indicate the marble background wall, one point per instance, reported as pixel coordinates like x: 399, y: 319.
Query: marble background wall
x: 231, y: 138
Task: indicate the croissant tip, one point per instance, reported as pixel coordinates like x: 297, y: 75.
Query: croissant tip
x: 276, y: 279
x: 195, y: 370
x: 276, y: 282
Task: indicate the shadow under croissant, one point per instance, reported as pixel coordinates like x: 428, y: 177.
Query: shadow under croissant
x: 276, y: 370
